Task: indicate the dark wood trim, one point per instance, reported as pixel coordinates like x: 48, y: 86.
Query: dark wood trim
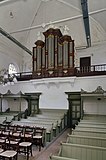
x: 59, y: 72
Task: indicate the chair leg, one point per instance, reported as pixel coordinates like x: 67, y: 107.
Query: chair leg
x: 31, y: 150
x: 16, y: 157
x: 27, y: 153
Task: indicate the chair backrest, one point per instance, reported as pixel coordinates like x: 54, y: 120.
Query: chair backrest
x: 29, y: 129
x: 20, y: 128
x: 40, y: 131
x: 3, y: 142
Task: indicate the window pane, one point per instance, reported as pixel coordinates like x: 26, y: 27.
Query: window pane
x: 12, y: 68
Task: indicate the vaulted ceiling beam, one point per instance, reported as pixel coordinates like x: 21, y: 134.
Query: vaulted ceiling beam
x: 84, y: 5
x: 7, y: 35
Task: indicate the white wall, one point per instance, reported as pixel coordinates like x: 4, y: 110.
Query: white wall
x: 97, y: 53
x: 14, y: 104
x: 7, y: 56
x: 94, y: 106
x: 4, y: 105
x: 53, y: 90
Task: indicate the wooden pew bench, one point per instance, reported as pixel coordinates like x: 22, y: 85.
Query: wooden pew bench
x: 62, y: 120
x: 2, y: 119
x: 86, y: 140
x: 82, y: 152
x: 54, y: 124
x: 49, y: 124
x: 50, y: 116
x: 91, y: 127
x: 94, y: 117
x: 33, y: 124
x: 89, y: 122
x: 47, y: 119
x: 9, y: 119
x: 54, y: 111
x: 52, y: 157
x: 38, y: 121
x: 93, y: 133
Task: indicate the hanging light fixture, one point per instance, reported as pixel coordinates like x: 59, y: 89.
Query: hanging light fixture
x: 6, y: 78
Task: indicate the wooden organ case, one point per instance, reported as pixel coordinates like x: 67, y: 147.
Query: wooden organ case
x: 55, y: 56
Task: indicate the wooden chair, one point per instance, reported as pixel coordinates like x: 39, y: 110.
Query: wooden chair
x: 3, y: 143
x: 26, y: 148
x: 2, y: 129
x: 12, y: 128
x: 20, y: 129
x: 9, y: 154
x: 12, y: 143
x: 39, y: 136
x: 27, y: 135
x: 16, y: 135
x: 10, y: 148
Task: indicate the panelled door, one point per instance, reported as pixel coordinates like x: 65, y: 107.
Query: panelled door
x: 34, y: 107
x: 85, y: 63
x: 74, y: 99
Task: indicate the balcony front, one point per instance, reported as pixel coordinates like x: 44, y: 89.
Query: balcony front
x: 94, y: 70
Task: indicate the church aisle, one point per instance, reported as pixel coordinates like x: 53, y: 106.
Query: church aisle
x: 52, y: 148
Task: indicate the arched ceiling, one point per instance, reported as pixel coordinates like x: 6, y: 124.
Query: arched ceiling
x: 23, y: 19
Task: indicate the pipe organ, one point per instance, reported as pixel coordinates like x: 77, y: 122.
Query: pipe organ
x: 55, y: 56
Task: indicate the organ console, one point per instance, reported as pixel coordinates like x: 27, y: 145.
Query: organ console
x: 55, y: 56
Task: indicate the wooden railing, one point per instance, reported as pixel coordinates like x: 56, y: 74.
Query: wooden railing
x: 91, y: 70
x: 77, y: 71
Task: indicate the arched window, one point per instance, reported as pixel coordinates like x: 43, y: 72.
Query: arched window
x: 12, y: 69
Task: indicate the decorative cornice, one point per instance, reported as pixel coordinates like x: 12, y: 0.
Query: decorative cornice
x: 99, y: 90
x: 82, y: 91
x: 53, y: 81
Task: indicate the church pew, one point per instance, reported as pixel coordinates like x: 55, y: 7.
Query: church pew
x: 9, y: 119
x: 45, y: 123
x: 52, y: 113
x: 47, y: 119
x: 88, y: 122
x: 50, y: 116
x: 52, y: 157
x: 59, y: 111
x: 60, y: 123
x: 56, y: 123
x: 87, y: 140
x: 82, y: 152
x: 62, y: 119
x: 29, y: 123
x: 92, y: 128
x: 94, y: 117
x: 2, y: 119
x: 97, y: 127
x: 57, y: 127
x: 6, y: 117
x: 93, y: 133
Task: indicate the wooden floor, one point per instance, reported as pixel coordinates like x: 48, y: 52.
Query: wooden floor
x: 51, y: 148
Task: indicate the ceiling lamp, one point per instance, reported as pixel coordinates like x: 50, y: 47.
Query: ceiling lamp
x: 6, y: 78
x: 11, y: 14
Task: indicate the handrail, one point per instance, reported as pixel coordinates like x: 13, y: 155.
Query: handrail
x: 77, y: 71
x: 92, y: 68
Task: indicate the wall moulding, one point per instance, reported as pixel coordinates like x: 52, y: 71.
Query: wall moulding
x: 53, y: 82
x: 97, y: 92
